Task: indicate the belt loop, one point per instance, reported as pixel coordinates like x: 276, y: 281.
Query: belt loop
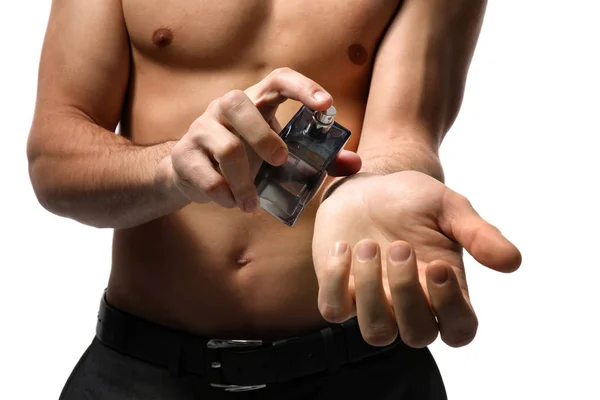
x: 174, y: 359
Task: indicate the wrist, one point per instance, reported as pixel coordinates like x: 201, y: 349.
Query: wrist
x: 334, y: 184
x: 403, y: 156
x: 409, y: 157
x: 170, y: 193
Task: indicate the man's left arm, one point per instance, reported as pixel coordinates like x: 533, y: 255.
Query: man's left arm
x: 417, y: 85
x: 400, y: 234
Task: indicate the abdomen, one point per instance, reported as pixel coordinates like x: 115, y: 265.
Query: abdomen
x: 219, y: 272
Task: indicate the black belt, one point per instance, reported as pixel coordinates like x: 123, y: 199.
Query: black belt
x: 234, y: 364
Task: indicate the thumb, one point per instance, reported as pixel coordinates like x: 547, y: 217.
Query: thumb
x: 346, y: 163
x: 483, y: 241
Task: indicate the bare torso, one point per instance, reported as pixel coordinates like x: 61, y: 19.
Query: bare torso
x: 206, y: 269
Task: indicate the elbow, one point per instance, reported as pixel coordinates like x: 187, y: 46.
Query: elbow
x: 45, y: 177
x: 56, y: 194
x: 56, y: 199
x: 55, y: 177
x: 41, y: 177
x: 50, y: 193
x: 41, y: 180
x: 38, y: 177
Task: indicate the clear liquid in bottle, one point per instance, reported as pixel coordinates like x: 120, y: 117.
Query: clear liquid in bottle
x: 313, y: 139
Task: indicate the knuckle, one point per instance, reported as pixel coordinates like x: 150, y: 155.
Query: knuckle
x: 462, y: 200
x: 277, y: 75
x: 197, y: 135
x: 212, y: 107
x: 333, y: 313
x: 280, y: 71
x: 232, y: 100
x: 231, y: 149
x: 212, y: 185
x: 197, y: 124
x: 379, y: 334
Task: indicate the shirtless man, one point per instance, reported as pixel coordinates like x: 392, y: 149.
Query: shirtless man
x: 199, y: 92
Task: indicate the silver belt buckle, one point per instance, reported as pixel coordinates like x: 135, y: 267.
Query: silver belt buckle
x: 233, y: 344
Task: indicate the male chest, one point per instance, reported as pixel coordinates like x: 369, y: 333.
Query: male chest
x: 229, y: 33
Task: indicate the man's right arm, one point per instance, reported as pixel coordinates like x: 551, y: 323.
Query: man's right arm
x: 79, y: 167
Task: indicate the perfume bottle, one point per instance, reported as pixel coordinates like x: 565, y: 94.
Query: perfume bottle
x: 313, y: 139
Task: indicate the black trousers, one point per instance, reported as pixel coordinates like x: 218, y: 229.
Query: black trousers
x: 107, y: 372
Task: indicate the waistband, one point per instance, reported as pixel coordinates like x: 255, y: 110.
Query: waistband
x: 234, y: 364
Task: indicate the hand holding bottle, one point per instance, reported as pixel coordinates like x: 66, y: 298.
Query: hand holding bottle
x: 219, y: 156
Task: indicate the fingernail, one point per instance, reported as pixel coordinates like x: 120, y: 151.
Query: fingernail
x: 279, y: 156
x: 400, y: 253
x: 438, y: 275
x: 366, y: 251
x: 250, y: 205
x: 339, y: 248
x: 321, y: 96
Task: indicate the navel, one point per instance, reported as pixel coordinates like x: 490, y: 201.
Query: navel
x: 162, y: 37
x: 244, y: 258
x: 242, y: 262
x: 358, y: 54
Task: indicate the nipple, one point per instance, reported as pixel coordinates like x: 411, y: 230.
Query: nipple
x: 162, y: 37
x: 357, y: 54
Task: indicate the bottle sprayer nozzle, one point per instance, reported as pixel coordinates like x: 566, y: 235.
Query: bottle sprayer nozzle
x: 326, y: 117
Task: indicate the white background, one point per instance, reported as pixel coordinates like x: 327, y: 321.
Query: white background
x: 524, y: 150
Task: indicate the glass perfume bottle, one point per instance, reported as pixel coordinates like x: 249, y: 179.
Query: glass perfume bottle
x: 313, y: 139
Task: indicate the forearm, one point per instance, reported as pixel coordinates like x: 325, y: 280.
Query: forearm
x: 418, y: 83
x: 417, y: 86
x: 84, y: 172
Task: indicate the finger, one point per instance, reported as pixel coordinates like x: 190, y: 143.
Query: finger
x: 375, y: 318
x: 346, y: 163
x: 334, y: 300
x: 482, y: 240
x: 196, y: 176
x: 456, y: 318
x: 229, y: 152
x: 237, y: 110
x: 285, y: 83
x: 414, y: 317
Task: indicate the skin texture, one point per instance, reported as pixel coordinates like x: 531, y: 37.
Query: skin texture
x: 199, y: 92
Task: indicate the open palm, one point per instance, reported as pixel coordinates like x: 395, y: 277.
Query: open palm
x: 389, y: 250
